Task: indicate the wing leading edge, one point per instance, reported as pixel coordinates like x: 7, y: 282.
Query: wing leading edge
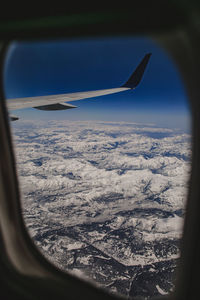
x: 57, y: 102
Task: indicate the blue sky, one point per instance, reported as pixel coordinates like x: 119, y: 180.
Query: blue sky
x: 59, y: 66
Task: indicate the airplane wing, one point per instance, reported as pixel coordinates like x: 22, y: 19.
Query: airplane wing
x: 57, y: 102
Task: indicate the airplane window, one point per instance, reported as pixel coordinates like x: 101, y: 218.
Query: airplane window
x: 104, y: 163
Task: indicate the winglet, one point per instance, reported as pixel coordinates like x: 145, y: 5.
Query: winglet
x: 136, y: 77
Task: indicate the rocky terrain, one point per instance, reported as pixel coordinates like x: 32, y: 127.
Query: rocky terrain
x: 106, y: 201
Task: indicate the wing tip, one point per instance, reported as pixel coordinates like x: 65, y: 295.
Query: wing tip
x: 137, y: 75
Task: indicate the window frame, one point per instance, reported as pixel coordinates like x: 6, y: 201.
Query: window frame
x: 21, y: 261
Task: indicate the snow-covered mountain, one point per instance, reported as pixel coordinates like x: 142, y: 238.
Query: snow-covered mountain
x: 106, y: 201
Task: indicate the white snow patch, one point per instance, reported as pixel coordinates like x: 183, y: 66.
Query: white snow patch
x: 161, y: 291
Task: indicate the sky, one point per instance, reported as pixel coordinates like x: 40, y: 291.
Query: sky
x: 63, y: 66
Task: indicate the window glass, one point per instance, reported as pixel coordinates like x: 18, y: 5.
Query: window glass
x: 104, y: 185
